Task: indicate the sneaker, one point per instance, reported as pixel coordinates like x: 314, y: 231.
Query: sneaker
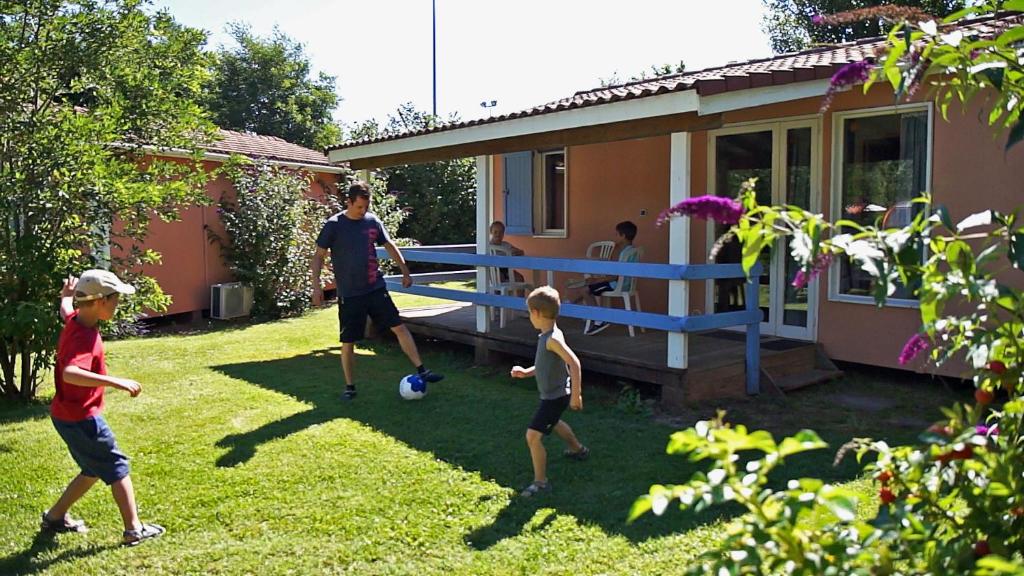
x: 136, y: 537
x: 596, y: 327
x: 431, y: 377
x: 348, y: 394
x: 535, y: 488
x: 579, y: 456
x: 62, y: 525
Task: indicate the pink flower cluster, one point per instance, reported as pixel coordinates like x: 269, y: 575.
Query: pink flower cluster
x: 802, y: 278
x: 852, y: 73
x: 720, y: 209
x: 912, y: 348
x: 983, y: 430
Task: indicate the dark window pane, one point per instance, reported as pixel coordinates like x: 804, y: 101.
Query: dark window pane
x: 554, y: 191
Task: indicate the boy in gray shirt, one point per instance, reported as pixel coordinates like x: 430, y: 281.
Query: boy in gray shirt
x: 559, y: 381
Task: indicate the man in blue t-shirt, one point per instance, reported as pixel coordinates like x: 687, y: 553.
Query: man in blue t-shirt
x: 352, y: 236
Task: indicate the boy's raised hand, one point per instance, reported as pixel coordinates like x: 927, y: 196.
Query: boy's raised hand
x: 519, y: 372
x: 69, y: 287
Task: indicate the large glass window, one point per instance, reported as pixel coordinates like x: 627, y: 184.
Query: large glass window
x: 884, y: 166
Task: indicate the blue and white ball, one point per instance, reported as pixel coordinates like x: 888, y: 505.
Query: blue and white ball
x: 412, y: 387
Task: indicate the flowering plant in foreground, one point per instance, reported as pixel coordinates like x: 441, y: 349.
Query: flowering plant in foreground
x: 953, y: 503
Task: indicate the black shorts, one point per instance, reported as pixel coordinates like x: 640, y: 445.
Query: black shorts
x: 548, y: 414
x: 599, y: 288
x: 352, y: 312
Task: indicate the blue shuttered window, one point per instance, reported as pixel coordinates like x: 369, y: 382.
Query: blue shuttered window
x: 519, y: 193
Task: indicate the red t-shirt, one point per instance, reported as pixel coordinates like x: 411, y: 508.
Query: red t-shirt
x: 78, y: 346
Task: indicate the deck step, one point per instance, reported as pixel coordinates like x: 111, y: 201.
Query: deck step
x: 808, y: 378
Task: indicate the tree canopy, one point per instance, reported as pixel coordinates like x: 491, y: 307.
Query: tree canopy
x: 791, y: 26
x: 440, y: 197
x: 85, y: 85
x: 266, y: 86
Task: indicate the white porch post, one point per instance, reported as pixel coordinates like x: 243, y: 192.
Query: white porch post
x: 484, y: 200
x: 364, y: 175
x: 679, y: 245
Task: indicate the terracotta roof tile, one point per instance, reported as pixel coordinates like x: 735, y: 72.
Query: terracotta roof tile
x: 818, y: 63
x: 269, y: 147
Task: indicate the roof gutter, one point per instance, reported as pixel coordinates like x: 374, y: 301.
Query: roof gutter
x: 219, y: 157
x: 663, y: 104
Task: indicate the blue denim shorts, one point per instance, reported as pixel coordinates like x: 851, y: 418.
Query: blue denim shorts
x: 94, y: 448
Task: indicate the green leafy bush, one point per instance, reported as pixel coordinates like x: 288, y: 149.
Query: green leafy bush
x: 271, y: 227
x: 954, y: 502
x: 85, y: 87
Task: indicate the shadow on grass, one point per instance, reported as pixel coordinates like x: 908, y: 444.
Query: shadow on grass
x: 15, y: 411
x: 471, y: 421
x: 28, y: 561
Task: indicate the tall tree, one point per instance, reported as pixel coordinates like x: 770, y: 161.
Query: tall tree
x: 265, y: 85
x: 791, y: 26
x: 84, y: 85
x: 440, y: 197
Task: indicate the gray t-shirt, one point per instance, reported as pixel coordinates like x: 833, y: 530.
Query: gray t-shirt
x: 353, y: 252
x: 551, y: 372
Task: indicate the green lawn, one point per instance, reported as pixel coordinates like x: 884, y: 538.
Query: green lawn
x: 241, y: 447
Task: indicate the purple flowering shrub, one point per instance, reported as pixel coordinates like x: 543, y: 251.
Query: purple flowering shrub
x: 953, y: 503
x: 718, y: 208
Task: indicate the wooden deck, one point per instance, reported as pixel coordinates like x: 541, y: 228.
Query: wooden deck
x: 716, y: 358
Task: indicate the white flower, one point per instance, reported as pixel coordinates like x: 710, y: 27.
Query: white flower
x: 800, y: 247
x: 953, y: 38
x: 979, y: 357
x: 978, y: 219
x: 659, y: 504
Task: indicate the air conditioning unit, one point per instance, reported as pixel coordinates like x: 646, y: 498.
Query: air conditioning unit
x: 230, y: 300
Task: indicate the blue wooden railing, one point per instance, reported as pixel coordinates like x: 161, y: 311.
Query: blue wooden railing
x: 750, y: 317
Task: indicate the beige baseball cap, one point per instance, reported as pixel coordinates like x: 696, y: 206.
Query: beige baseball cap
x: 96, y: 284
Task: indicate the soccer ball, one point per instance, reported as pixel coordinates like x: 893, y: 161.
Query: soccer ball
x: 412, y: 387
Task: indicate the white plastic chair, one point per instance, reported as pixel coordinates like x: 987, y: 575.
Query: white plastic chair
x: 504, y: 288
x: 628, y: 296
x: 600, y: 250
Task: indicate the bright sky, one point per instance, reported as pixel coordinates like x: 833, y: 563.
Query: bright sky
x: 521, y: 53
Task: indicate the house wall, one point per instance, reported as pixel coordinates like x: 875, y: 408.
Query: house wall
x: 609, y: 183
x: 614, y: 181
x: 191, y: 262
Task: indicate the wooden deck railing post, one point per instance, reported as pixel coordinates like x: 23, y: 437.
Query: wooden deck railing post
x: 751, y: 297
x: 679, y: 246
x: 484, y: 200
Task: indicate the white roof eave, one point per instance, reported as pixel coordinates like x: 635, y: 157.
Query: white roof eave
x: 634, y: 109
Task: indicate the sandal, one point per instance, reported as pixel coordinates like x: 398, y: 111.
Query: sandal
x: 535, y: 488
x: 136, y: 537
x: 579, y: 455
x: 62, y: 525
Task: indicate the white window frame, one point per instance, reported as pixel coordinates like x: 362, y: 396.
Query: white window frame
x: 836, y: 187
x: 540, y: 195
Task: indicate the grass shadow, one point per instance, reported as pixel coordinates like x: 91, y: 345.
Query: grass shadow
x: 28, y: 560
x: 16, y: 411
x: 481, y: 428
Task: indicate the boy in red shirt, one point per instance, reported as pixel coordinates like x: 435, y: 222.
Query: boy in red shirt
x: 81, y: 375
